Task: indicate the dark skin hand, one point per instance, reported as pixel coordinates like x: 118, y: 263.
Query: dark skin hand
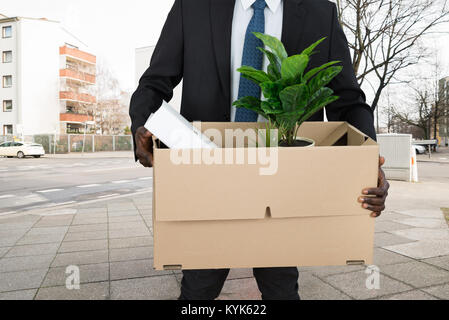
x: 374, y: 198
x: 144, y: 147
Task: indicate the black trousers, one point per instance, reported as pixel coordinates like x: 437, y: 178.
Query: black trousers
x: 273, y: 283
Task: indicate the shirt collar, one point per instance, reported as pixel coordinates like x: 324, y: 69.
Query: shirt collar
x: 272, y: 4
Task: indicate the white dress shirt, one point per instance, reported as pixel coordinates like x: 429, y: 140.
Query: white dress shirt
x: 243, y: 13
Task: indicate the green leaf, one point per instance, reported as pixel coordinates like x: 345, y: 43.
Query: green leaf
x: 309, y: 51
x: 254, y: 75
x: 274, y: 68
x: 317, y: 107
x: 314, y: 71
x: 323, y: 78
x: 322, y: 93
x: 294, y: 97
x: 274, y: 44
x: 271, y: 89
x: 270, y: 108
x: 293, y: 67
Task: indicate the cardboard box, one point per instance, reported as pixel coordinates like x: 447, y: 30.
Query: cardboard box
x: 208, y: 216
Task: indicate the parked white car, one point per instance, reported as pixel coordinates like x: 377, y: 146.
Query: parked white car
x: 21, y: 150
x: 419, y: 149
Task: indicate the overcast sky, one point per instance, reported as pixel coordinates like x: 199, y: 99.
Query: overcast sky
x: 114, y: 28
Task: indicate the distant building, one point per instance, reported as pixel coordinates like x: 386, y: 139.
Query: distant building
x: 47, y: 78
x: 143, y: 58
x: 443, y: 123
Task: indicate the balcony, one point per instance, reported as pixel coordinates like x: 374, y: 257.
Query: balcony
x: 77, y: 97
x: 77, y: 76
x: 74, y: 118
x: 78, y: 55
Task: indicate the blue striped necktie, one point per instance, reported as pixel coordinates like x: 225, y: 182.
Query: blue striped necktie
x: 254, y: 58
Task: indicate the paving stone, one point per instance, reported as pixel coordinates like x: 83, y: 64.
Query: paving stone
x: 385, y: 226
x: 410, y: 295
x: 423, y: 213
x: 134, y: 218
x: 25, y: 263
x: 88, y: 273
x: 329, y: 270
x: 313, y: 288
x: 240, y: 289
x: 392, y: 216
x: 88, y: 245
x: 127, y: 254
x: 3, y: 251
x: 240, y: 274
x: 422, y: 249
x: 8, y: 241
x: 424, y: 234
x: 382, y: 239
x: 88, y: 228
x: 91, y: 210
x: 442, y: 262
x: 130, y: 242
x: 54, y: 221
x: 18, y: 295
x: 20, y: 280
x: 88, y: 221
x: 127, y: 233
x: 425, y: 222
x: 134, y: 269
x: 441, y: 291
x: 89, y: 235
x: 154, y: 288
x: 138, y: 225
x: 33, y: 250
x: 41, y: 238
x: 13, y: 233
x: 82, y: 217
x: 80, y: 258
x: 416, y: 273
x: 89, y: 291
x: 47, y: 230
x: 385, y: 257
x: 123, y: 213
x: 354, y: 285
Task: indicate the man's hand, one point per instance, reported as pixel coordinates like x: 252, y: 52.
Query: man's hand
x: 375, y: 202
x: 144, y: 147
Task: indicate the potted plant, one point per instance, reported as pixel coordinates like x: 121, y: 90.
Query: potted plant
x: 291, y: 95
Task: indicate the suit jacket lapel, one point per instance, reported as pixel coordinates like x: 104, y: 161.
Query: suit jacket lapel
x: 293, y: 25
x: 221, y: 14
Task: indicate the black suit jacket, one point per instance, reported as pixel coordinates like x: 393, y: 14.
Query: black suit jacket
x: 195, y: 45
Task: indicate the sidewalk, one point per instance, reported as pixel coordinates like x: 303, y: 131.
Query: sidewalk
x: 111, y: 242
x: 442, y: 156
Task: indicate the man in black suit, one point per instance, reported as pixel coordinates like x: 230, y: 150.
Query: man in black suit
x: 200, y: 43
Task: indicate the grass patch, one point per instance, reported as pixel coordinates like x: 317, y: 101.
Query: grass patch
x: 446, y: 214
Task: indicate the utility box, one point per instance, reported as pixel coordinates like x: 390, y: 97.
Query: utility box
x: 397, y: 151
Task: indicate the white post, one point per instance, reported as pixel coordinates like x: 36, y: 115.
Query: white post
x: 93, y: 143
x: 68, y: 143
x: 113, y: 143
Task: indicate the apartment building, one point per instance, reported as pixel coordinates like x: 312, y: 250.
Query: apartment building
x: 47, y: 78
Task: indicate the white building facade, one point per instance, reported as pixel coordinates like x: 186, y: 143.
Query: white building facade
x: 31, y: 75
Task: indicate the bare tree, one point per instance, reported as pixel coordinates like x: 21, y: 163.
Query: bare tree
x: 384, y: 36
x: 111, y: 108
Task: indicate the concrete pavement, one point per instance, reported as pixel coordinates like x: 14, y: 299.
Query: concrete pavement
x: 111, y: 243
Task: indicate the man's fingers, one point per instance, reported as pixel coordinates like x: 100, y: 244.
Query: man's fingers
x: 376, y: 214
x: 381, y: 161
x: 378, y: 192
x: 373, y: 201
x: 373, y: 208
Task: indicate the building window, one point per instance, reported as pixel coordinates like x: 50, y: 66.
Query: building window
x: 7, y: 81
x: 7, y: 32
x: 7, y: 129
x: 7, y: 56
x: 7, y: 105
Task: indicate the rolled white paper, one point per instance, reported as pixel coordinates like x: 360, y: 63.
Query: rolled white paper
x: 175, y: 131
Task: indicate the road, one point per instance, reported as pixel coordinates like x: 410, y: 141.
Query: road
x: 47, y: 182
